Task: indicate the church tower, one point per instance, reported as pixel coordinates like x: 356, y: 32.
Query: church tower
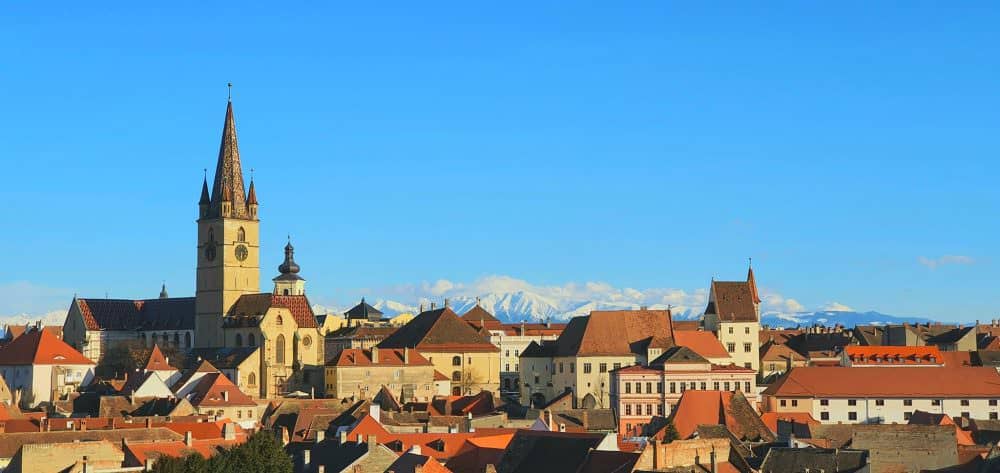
x: 228, y: 241
x: 288, y: 282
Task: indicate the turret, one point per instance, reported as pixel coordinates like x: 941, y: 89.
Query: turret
x: 252, y: 200
x: 205, y: 200
x: 289, y: 283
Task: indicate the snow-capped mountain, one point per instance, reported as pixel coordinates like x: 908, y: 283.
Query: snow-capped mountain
x: 835, y: 317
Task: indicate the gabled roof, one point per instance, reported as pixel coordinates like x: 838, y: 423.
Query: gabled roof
x: 478, y: 313
x: 157, y: 362
x: 212, y: 389
x: 40, y: 347
x: 439, y: 330
x: 202, y: 367
x: 249, y: 307
x: 732, y: 301
x: 616, y: 332
x: 677, y: 355
x: 783, y: 459
x: 149, y: 314
x: 552, y: 452
x: 408, y: 463
x: 730, y: 409
x: 701, y: 342
x: 224, y: 357
x: 780, y: 353
x: 904, y: 382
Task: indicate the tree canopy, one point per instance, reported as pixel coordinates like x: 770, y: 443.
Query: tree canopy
x: 260, y: 454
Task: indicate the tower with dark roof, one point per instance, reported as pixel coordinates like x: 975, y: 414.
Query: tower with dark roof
x: 288, y: 282
x: 228, y: 240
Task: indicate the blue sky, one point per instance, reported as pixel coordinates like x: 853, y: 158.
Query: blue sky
x: 849, y: 148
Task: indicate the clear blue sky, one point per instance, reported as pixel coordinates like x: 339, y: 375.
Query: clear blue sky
x: 642, y: 144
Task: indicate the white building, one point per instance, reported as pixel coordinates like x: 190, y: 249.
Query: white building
x: 886, y: 394
x: 40, y: 368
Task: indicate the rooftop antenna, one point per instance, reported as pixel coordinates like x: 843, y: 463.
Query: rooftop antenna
x: 230, y: 86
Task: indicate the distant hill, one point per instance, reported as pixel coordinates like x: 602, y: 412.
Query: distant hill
x: 830, y: 317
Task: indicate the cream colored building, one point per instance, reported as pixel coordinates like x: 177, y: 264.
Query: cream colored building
x: 40, y: 368
x: 361, y: 374
x: 733, y: 314
x: 453, y: 347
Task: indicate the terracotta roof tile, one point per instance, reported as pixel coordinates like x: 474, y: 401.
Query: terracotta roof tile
x: 149, y: 314
x: 701, y: 342
x: 479, y: 314
x: 157, y: 362
x: 619, y: 332
x: 439, y: 330
x: 730, y: 409
x: 902, y: 382
x: 249, y: 307
x: 732, y: 301
x: 40, y: 347
x: 212, y: 389
x: 386, y: 357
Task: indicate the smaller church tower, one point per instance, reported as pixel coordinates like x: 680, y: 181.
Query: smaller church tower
x: 289, y: 283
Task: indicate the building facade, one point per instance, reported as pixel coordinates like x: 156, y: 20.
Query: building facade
x: 360, y: 374
x: 40, y: 368
x: 733, y: 314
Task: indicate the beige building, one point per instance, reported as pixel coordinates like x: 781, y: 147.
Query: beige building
x: 362, y: 373
x: 590, y: 347
x: 453, y: 347
x: 40, y: 368
x: 733, y: 314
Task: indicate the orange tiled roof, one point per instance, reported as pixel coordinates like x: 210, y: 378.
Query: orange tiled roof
x: 386, y: 357
x: 40, y: 347
x: 701, y: 342
x: 158, y: 362
x: 210, y: 392
x: 771, y: 419
x: 836, y: 381
x: 250, y: 305
x: 893, y: 355
x: 177, y: 449
x: 436, y: 445
x: 616, y: 332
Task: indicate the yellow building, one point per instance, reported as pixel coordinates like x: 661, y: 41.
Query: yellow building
x: 361, y: 374
x: 453, y: 347
x: 733, y: 314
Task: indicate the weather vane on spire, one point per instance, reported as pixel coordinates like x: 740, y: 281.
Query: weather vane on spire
x: 230, y: 85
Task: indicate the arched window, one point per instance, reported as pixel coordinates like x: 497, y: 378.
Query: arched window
x: 241, y: 235
x: 279, y: 320
x: 165, y: 338
x: 279, y: 349
x: 177, y: 339
x: 251, y: 340
x: 239, y: 340
x: 252, y: 379
x: 456, y: 361
x: 456, y: 375
x: 187, y: 339
x: 143, y: 337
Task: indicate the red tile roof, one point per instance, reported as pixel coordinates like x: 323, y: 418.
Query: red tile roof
x: 893, y: 355
x: 40, y: 347
x: 158, y: 362
x: 718, y: 408
x: 836, y: 381
x: 479, y: 314
x: 150, y: 314
x: 477, y: 452
x: 251, y: 305
x: 771, y: 419
x: 701, y: 342
x: 386, y: 357
x: 733, y: 301
x: 210, y: 392
x: 780, y: 353
x: 436, y: 445
x: 140, y: 451
x: 618, y: 332
x: 436, y: 331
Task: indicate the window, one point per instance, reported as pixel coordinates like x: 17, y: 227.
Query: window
x: 649, y: 388
x: 935, y: 402
x: 251, y: 340
x: 239, y: 340
x: 880, y: 402
x: 852, y: 402
x: 572, y: 367
x: 456, y: 361
x: 993, y: 416
x: 604, y: 367
x: 628, y: 409
x: 628, y: 388
x: 824, y: 402
x: 783, y: 403
x: 824, y: 416
x: 746, y: 330
x: 682, y: 387
x: 965, y: 402
x: 617, y: 365
x: 746, y: 348
x: 795, y: 403
x: 673, y: 387
x: 966, y: 415
x: 252, y: 379
x: 506, y: 367
x: 748, y: 365
x: 852, y: 416
x: 715, y: 386
x: 746, y: 386
x: 279, y: 320
x: 704, y: 386
x: 993, y: 402
x: 177, y: 339
x: 906, y: 415
x: 659, y: 387
x: 586, y: 368
x: 770, y: 367
x: 730, y: 330
x: 241, y: 235
x: 907, y: 402
x: 187, y: 339
x: 731, y: 347
x: 456, y: 375
x: 279, y: 349
x: 239, y: 414
x: 638, y: 388
x: 649, y: 409
x: 659, y: 409
x: 726, y: 384
x: 536, y: 380
x: 507, y: 353
x: 560, y: 367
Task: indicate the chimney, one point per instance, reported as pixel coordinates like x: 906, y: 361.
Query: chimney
x: 711, y: 460
x: 149, y: 465
x: 375, y: 411
x: 415, y: 450
x: 585, y: 419
x: 547, y: 418
x: 655, y: 446
x: 406, y: 355
x: 490, y: 468
x: 562, y: 427
x: 374, y: 355
x: 188, y: 439
x: 421, y: 308
x: 433, y: 305
x: 225, y: 396
x: 3, y: 427
x: 372, y: 442
x: 149, y: 423
x: 114, y: 423
x: 229, y: 431
x: 361, y: 439
x: 305, y: 458
x: 446, y: 302
x: 320, y: 435
x: 83, y: 425
x: 468, y: 423
x: 418, y: 469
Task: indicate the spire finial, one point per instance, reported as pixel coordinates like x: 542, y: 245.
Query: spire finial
x: 750, y: 261
x: 205, y: 173
x: 251, y: 174
x: 230, y: 86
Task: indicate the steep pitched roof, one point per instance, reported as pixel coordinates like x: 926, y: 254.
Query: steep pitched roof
x: 752, y: 282
x: 902, y: 382
x: 438, y: 329
x: 363, y: 311
x: 157, y: 362
x: 40, y: 347
x: 730, y: 409
x: 228, y: 183
x: 147, y: 314
x: 408, y: 463
x: 616, y: 332
x: 212, y: 390
x: 732, y: 301
x: 551, y: 452
x: 249, y: 307
x: 477, y: 313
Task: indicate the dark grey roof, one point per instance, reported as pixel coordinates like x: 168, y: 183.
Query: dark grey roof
x: 800, y: 460
x: 221, y: 358
x: 546, y: 350
x: 907, y: 447
x: 363, y: 311
x: 552, y: 452
x: 679, y: 355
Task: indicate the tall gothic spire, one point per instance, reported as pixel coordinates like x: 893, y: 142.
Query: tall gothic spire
x: 229, y: 172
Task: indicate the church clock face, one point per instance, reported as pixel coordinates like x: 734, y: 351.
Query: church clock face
x: 241, y: 252
x: 210, y: 251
